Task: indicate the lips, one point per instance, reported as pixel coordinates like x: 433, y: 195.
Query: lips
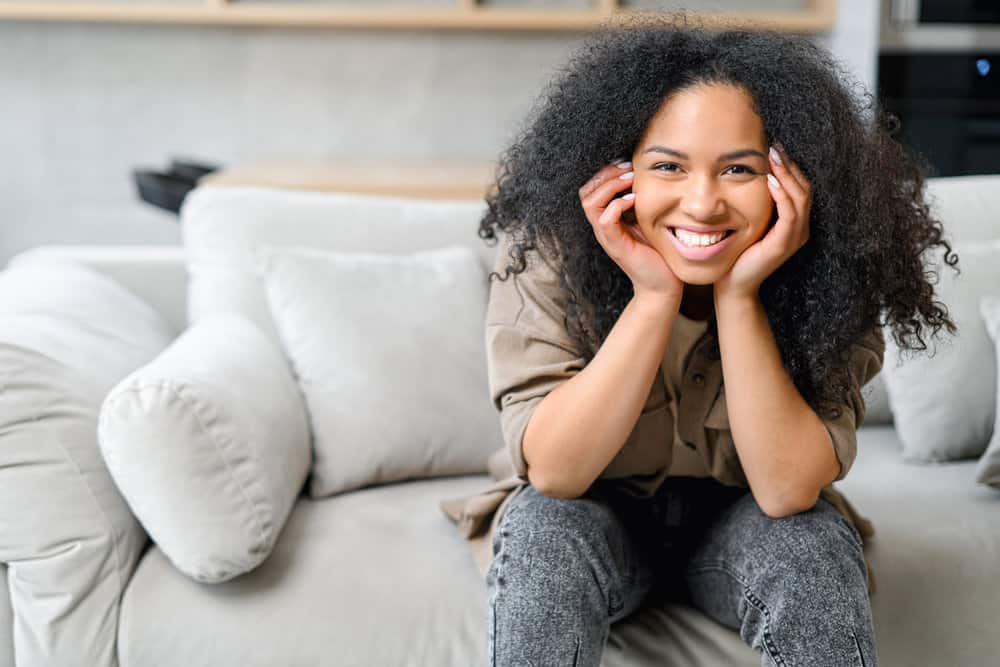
x: 700, y: 253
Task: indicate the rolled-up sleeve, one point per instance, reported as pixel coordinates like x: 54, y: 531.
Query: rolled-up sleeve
x: 842, y: 420
x: 528, y: 351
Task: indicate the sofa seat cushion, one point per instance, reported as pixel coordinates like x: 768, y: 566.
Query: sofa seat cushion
x: 936, y: 554
x: 355, y: 581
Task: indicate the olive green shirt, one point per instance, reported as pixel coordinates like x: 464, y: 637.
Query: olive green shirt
x: 683, y: 428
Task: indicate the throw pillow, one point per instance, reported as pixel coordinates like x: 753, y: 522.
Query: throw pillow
x: 68, y: 538
x: 988, y: 468
x: 209, y: 444
x: 389, y: 353
x: 942, y: 399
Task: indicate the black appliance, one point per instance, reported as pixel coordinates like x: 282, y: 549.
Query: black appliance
x: 958, y: 11
x: 948, y: 104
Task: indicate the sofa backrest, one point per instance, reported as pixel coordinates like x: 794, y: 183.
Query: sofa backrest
x: 223, y: 228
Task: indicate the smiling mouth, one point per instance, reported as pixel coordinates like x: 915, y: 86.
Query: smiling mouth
x: 726, y: 235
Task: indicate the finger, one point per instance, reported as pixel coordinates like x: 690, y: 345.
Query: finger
x: 792, y: 169
x: 613, y: 228
x: 788, y: 183
x: 613, y: 212
x: 603, y: 176
x: 784, y: 227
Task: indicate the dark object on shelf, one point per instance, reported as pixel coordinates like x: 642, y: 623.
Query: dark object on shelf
x: 190, y: 170
x: 167, y: 190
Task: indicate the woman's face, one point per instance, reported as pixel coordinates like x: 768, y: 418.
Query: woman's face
x: 702, y: 165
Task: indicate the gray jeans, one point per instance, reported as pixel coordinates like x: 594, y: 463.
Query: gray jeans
x: 564, y: 570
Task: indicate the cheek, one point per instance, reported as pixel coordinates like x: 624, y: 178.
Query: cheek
x: 760, y: 214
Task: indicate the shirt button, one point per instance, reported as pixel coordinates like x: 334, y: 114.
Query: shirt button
x: 698, y: 379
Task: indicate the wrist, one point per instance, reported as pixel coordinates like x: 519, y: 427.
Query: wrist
x: 657, y: 303
x: 732, y: 301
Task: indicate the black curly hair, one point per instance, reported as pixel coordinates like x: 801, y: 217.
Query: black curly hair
x: 864, y: 263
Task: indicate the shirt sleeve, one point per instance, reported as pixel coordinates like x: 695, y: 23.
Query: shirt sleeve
x: 842, y: 420
x: 529, y: 352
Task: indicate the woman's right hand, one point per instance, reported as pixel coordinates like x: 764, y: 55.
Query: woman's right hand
x: 625, y: 243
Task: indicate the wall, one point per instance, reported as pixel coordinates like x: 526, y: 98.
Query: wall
x: 85, y: 103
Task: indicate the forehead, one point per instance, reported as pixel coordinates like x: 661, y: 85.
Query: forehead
x: 706, y: 115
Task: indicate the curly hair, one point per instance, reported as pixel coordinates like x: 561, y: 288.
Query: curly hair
x: 870, y: 226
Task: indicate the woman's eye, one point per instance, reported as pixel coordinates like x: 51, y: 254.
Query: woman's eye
x: 745, y: 168
x: 665, y: 164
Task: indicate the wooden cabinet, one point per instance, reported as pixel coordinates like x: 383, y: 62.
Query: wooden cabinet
x: 805, y: 16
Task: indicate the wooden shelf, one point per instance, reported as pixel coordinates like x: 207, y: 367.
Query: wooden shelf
x: 816, y: 16
x: 437, y: 179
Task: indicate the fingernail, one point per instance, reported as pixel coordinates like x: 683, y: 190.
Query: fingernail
x: 627, y: 176
x: 774, y: 155
x: 624, y: 165
x: 630, y: 195
x: 773, y: 181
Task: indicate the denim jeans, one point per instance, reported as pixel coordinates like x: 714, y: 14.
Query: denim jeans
x: 564, y: 570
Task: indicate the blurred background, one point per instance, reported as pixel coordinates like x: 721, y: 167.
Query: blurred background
x: 414, y: 98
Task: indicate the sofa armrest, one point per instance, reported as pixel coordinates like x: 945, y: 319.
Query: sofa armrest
x: 155, y: 273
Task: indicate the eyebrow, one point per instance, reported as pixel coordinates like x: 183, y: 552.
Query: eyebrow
x: 745, y: 152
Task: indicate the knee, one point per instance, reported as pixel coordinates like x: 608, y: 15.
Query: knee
x: 548, y: 532
x: 819, y: 544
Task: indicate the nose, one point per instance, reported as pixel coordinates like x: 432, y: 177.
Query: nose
x: 701, y: 200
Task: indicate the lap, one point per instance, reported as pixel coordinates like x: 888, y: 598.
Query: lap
x: 745, y: 553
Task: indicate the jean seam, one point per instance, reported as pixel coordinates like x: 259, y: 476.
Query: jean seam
x: 748, y: 593
x: 861, y: 654
x: 501, y: 557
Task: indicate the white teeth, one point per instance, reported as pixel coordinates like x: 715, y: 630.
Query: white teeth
x: 698, y: 240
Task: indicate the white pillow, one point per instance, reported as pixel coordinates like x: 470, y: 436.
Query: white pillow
x: 389, y: 351
x: 943, y: 404
x: 988, y: 468
x: 209, y: 444
x: 69, y: 540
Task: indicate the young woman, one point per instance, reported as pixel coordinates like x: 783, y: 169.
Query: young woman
x: 704, y: 233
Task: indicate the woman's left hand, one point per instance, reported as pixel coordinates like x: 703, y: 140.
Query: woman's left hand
x: 793, y: 195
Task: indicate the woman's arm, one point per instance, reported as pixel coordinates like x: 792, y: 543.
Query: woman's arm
x: 580, y: 426
x: 784, y: 447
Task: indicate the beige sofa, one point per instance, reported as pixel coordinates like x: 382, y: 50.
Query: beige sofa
x: 355, y: 581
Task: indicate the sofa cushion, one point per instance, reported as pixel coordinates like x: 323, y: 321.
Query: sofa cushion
x: 964, y: 203
x: 81, y: 318
x: 221, y: 226
x: 402, y: 591
x: 70, y: 543
x: 388, y: 352
x: 938, y: 535
x: 209, y: 444
x: 988, y: 468
x: 967, y: 205
x: 943, y: 399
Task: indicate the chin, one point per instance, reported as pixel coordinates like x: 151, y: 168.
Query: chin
x: 696, y: 275
x: 704, y: 276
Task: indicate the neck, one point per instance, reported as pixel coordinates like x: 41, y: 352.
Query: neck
x: 698, y: 302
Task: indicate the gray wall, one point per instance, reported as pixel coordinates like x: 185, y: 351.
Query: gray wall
x: 85, y: 103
